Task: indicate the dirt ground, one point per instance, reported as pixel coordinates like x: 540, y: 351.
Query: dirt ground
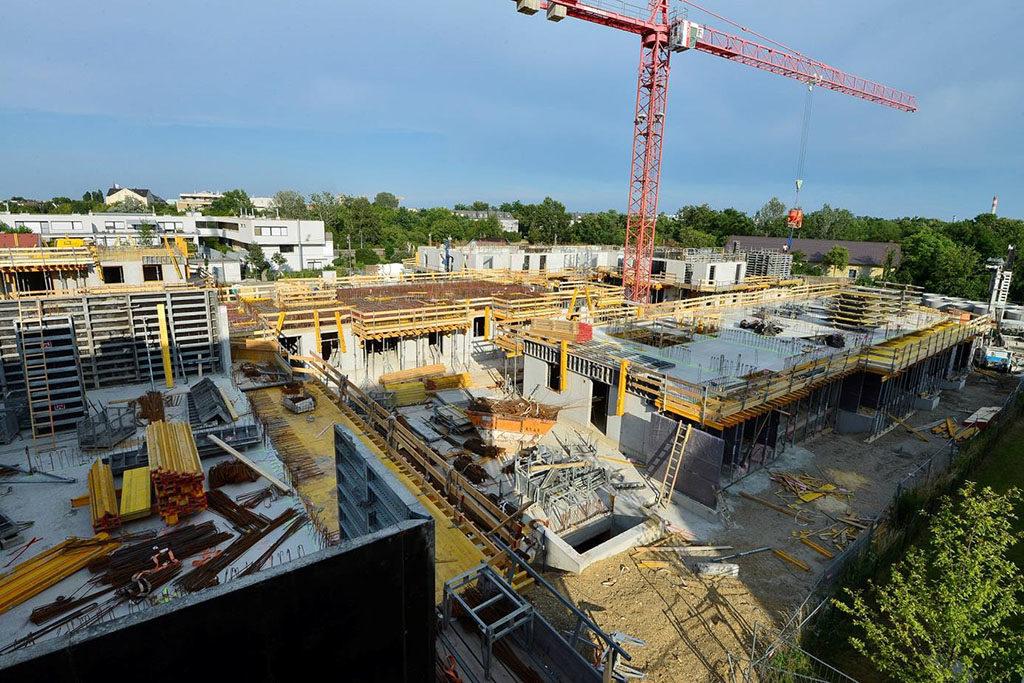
x: 690, y: 623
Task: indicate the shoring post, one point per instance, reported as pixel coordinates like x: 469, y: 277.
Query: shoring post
x: 316, y: 333
x: 563, y: 367
x: 165, y: 345
x: 620, y: 402
x: 341, y: 332
x: 487, y: 322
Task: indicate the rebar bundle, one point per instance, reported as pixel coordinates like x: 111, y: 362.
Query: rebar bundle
x: 206, y: 575
x: 240, y: 518
x: 119, y: 567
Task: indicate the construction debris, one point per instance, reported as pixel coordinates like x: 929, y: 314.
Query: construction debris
x: 295, y: 398
x: 726, y: 569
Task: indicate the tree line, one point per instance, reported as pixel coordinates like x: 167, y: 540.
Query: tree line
x: 946, y: 257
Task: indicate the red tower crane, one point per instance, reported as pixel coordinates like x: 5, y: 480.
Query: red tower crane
x: 660, y: 36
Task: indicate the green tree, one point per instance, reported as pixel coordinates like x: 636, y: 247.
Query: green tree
x: 145, y: 233
x: 386, y: 200
x: 256, y: 260
x: 951, y: 609
x: 542, y: 223
x: 232, y: 203
x: 366, y: 257
x: 290, y: 204
x: 770, y: 219
x: 935, y: 262
x: 835, y: 260
x: 802, y: 267
x: 279, y: 261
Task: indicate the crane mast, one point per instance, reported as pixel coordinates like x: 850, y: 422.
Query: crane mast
x: 660, y: 36
x: 648, y: 138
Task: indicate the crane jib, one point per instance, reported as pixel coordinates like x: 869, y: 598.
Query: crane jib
x: 659, y: 37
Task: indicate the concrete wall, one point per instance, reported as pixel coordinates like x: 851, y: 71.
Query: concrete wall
x: 576, y: 397
x: 363, y: 610
x: 365, y: 369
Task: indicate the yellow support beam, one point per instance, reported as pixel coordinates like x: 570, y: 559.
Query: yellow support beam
x: 590, y: 301
x: 341, y: 332
x: 620, y: 402
x: 316, y: 332
x: 165, y: 345
x: 174, y: 259
x: 280, y: 322
x: 487, y: 322
x: 572, y: 303
x: 564, y: 366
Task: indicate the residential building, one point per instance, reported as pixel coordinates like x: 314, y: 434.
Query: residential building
x: 196, y: 201
x: 867, y: 259
x: 491, y: 256
x: 118, y: 194
x: 304, y: 244
x: 262, y: 203
x: 509, y: 223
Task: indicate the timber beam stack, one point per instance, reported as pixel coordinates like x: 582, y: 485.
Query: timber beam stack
x: 103, y: 498
x: 175, y: 469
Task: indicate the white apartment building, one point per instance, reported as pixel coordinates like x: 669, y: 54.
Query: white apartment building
x: 509, y: 223
x: 196, y: 201
x: 488, y: 256
x: 304, y: 244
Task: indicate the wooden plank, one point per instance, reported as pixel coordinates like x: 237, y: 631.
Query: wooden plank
x: 796, y: 562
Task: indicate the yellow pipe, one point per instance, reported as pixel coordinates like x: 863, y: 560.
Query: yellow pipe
x: 341, y: 332
x: 316, y: 333
x: 620, y: 403
x: 590, y: 301
x: 487, y: 322
x: 165, y: 345
x: 564, y: 358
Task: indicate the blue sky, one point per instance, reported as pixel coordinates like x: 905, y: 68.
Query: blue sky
x: 457, y: 100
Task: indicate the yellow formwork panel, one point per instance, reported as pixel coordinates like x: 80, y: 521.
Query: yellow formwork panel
x: 135, y: 494
x: 454, y: 553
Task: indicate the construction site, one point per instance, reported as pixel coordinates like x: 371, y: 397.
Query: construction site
x: 571, y: 454
x: 489, y: 462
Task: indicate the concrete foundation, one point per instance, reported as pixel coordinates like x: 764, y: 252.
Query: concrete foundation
x: 848, y: 422
x: 926, y: 403
x: 955, y: 384
x: 627, y: 531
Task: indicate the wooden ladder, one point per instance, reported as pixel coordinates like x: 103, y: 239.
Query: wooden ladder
x: 675, y: 461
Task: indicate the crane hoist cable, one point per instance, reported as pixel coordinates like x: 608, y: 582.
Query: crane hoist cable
x: 795, y: 218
